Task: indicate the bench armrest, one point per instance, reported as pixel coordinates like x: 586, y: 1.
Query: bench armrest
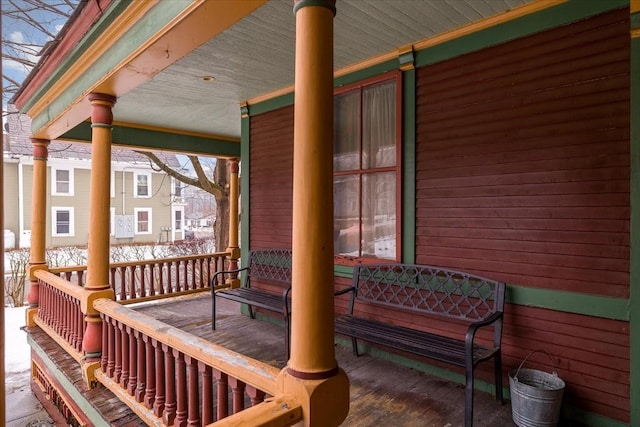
x: 223, y: 272
x: 344, y: 291
x: 473, y: 328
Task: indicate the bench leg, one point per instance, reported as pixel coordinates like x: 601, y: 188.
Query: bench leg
x: 468, y: 399
x: 213, y: 310
x: 251, y: 313
x: 354, y: 346
x: 497, y: 363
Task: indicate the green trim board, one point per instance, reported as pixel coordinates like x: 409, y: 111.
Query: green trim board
x: 635, y: 20
x: 571, y: 11
x: 143, y: 30
x: 570, y: 302
x: 156, y: 139
x: 409, y: 166
x: 634, y: 260
x: 68, y: 386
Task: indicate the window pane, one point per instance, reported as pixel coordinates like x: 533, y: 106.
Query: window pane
x: 379, y: 215
x: 143, y: 221
x: 62, y: 181
x: 142, y: 185
x: 63, y: 222
x: 178, y: 224
x: 346, y: 202
x: 346, y: 132
x: 379, y: 126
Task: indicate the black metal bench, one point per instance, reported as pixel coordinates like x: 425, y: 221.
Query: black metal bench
x: 270, y: 266
x: 475, y: 301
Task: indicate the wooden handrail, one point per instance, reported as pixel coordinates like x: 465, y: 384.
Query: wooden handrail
x: 61, y: 284
x: 252, y: 372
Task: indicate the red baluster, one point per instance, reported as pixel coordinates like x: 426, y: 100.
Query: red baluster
x: 193, y: 395
x: 132, y: 281
x: 123, y: 283
x: 143, y: 281
x: 222, y: 383
x: 118, y: 351
x: 181, y: 390
x: 133, y: 362
x: 80, y: 326
x: 256, y: 396
x: 207, y: 393
x: 170, y: 384
x: 161, y: 290
x: 105, y: 343
x: 111, y: 344
x: 237, y: 392
x: 140, y: 367
x: 80, y: 274
x: 158, y: 405
x: 126, y: 361
x: 150, y: 389
x: 112, y: 280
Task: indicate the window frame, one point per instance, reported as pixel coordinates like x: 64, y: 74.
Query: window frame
x: 54, y: 221
x: 135, y: 185
x: 136, y: 222
x: 359, y: 85
x: 54, y: 181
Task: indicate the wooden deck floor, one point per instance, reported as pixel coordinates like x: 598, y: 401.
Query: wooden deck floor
x: 382, y: 393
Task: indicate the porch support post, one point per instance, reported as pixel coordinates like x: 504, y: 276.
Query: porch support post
x: 37, y: 259
x: 98, y: 247
x: 313, y: 375
x: 234, y: 248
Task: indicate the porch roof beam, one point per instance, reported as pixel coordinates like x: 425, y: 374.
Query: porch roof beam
x: 144, y: 138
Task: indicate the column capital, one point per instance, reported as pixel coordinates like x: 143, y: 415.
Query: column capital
x: 40, y: 151
x: 329, y: 4
x: 101, y: 113
x: 233, y: 165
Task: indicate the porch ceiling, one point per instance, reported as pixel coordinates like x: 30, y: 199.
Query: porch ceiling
x: 256, y: 57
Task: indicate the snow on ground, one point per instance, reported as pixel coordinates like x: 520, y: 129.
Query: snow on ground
x: 17, y: 353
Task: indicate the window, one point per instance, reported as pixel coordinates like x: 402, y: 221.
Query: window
x: 142, y: 184
x: 366, y: 168
x: 142, y: 220
x: 62, y: 182
x: 177, y: 223
x: 62, y: 222
x: 177, y: 188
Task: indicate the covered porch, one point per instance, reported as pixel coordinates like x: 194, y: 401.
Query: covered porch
x: 508, y: 148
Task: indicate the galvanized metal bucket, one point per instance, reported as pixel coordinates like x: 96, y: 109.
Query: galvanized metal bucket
x: 536, y: 396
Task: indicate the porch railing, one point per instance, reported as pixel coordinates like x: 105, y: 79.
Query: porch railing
x: 170, y: 376
x: 152, y: 279
x: 60, y: 313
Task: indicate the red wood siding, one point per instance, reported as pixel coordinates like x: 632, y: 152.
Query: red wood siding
x: 522, y: 169
x: 271, y: 181
x: 523, y: 159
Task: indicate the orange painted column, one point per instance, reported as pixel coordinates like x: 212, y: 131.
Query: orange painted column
x: 234, y: 247
x: 99, y: 202
x: 312, y: 375
x: 312, y: 352
x: 37, y: 258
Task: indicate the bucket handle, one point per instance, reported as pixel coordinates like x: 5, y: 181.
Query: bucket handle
x: 555, y: 372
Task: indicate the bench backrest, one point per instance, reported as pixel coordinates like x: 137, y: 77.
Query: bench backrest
x: 429, y: 289
x: 272, y: 265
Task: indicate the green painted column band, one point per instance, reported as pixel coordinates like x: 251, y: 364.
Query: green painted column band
x: 329, y: 4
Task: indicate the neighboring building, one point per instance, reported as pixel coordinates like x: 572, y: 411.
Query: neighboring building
x: 144, y: 206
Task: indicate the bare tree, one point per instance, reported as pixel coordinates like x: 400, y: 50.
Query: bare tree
x: 218, y: 187
x: 29, y: 28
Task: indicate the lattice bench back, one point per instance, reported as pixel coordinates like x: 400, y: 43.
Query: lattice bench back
x: 428, y: 289
x: 272, y: 265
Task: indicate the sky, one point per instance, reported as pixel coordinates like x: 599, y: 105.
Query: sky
x: 21, y: 32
